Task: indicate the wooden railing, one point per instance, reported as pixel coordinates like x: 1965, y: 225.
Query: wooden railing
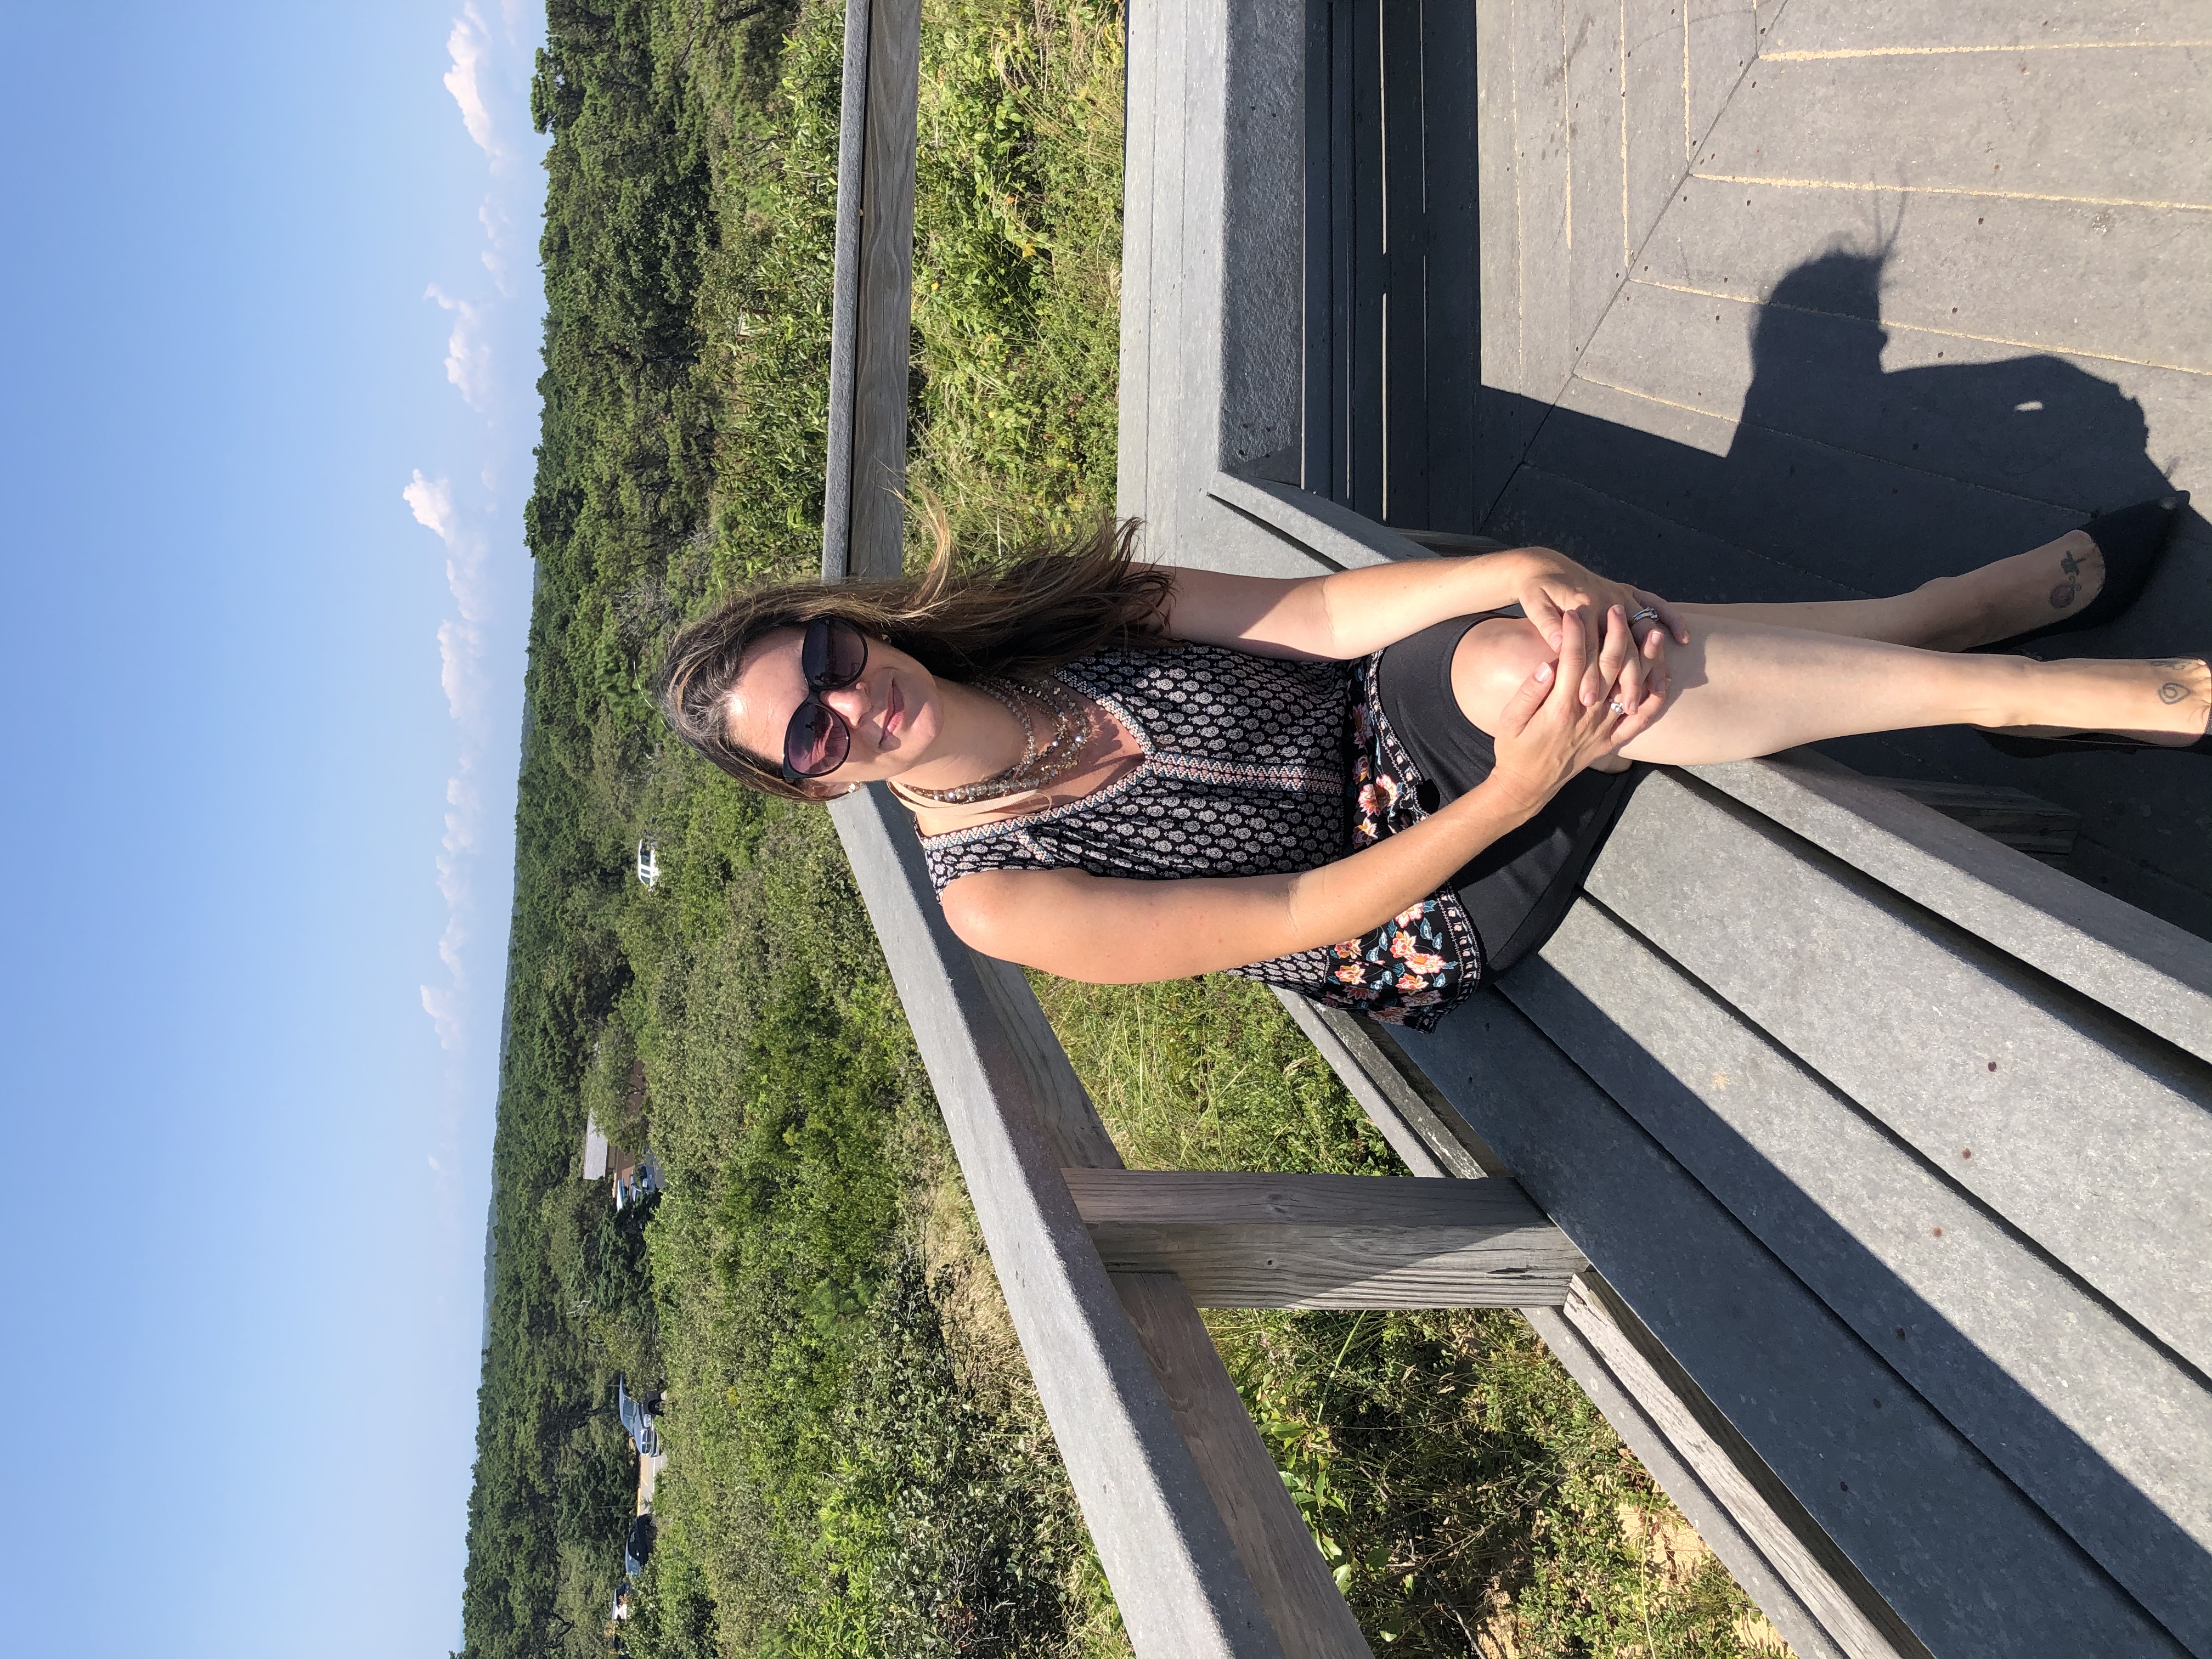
x: 1104, y: 1268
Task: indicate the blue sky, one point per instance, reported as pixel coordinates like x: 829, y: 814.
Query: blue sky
x: 272, y: 314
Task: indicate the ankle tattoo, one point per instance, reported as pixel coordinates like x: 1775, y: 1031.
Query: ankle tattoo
x: 2065, y: 593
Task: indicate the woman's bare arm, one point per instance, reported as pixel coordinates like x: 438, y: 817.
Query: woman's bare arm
x: 1114, y: 931
x: 1349, y: 613
x: 1111, y: 931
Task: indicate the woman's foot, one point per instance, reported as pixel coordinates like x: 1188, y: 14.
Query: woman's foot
x: 2164, y: 702
x: 2085, y: 579
x: 2014, y: 596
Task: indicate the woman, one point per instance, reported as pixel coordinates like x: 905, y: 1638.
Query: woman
x: 1379, y: 787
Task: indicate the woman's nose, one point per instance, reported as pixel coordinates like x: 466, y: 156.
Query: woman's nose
x: 852, y: 701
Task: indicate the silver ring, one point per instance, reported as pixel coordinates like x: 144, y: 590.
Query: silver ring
x: 1645, y: 615
x: 1614, y: 704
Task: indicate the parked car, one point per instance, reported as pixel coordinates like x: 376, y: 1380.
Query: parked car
x: 637, y: 1548
x: 637, y: 1418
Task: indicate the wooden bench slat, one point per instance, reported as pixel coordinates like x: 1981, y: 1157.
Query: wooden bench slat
x: 1951, y: 1044
x: 2144, y: 968
x: 1965, y: 1559
x: 2098, y: 1426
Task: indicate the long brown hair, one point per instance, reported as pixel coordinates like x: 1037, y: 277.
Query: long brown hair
x: 1049, y: 607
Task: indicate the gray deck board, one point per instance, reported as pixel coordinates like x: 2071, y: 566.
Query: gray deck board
x: 1999, y: 1063
x: 2100, y: 1427
x: 1874, y: 25
x: 1972, y: 1564
x: 1849, y: 123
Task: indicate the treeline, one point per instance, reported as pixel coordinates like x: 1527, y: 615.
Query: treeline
x: 847, y: 1476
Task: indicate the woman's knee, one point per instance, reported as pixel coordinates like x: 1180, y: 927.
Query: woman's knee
x: 1493, y: 661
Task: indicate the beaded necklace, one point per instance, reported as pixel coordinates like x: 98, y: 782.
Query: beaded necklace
x: 1037, y: 767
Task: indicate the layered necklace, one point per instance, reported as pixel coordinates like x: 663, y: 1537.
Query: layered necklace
x: 1039, y: 765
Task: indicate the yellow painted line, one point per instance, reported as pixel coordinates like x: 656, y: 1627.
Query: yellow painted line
x: 1650, y: 398
x: 1955, y: 190
x: 1920, y: 328
x: 1953, y: 51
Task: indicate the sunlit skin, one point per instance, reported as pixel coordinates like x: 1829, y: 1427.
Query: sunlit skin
x: 1702, y: 683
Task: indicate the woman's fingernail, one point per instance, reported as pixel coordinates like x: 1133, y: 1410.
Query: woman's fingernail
x: 1544, y: 674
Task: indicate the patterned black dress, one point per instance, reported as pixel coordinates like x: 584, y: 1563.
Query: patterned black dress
x: 1251, y: 766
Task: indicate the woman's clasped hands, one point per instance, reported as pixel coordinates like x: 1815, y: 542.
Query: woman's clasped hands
x: 1555, y: 725
x: 1621, y: 665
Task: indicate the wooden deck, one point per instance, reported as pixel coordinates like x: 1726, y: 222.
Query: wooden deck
x: 1890, y: 1147
x: 1818, y: 298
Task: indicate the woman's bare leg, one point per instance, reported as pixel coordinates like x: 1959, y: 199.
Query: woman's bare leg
x: 1743, y: 687
x: 1953, y: 613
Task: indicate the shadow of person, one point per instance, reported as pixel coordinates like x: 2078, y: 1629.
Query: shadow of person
x: 2037, y: 431
x: 1933, y: 469
x: 1842, y: 477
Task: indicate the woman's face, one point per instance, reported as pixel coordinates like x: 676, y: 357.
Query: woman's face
x: 893, y: 709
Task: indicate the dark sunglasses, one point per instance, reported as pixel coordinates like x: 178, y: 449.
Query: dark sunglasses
x: 833, y: 655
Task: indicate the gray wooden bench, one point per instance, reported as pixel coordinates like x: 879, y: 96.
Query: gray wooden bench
x: 1888, y: 1143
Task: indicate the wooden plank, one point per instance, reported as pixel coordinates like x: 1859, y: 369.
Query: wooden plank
x: 1241, y: 1240
x: 1272, y: 1537
x: 1337, y: 1203
x: 1736, y: 1503
x: 1366, y: 413
x: 1651, y: 92
x: 1624, y: 541
x: 1721, y: 38
x: 1503, y: 426
x: 1854, y: 121
x: 1405, y: 269
x: 1455, y: 299
x: 884, y: 321
x: 1177, y: 1576
x: 2042, y: 426
x: 2012, y: 817
x: 1868, y: 525
x: 2027, y: 275
x: 1593, y: 45
x: 2143, y: 968
x: 1343, y: 238
x: 1308, y: 533
x: 1317, y: 430
x: 1546, y: 186
x: 1428, y: 1136
x: 845, y: 295
x: 1948, y: 1042
x: 1965, y: 1560
x: 1910, y: 26
x: 2100, y: 1426
x: 1843, y: 1609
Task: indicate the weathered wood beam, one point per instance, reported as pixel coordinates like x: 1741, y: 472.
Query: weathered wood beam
x: 871, y: 314
x: 1239, y: 1240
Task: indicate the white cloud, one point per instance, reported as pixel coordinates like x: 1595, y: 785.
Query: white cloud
x: 470, y: 45
x: 487, y: 78
x: 468, y: 354
x: 433, y: 504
